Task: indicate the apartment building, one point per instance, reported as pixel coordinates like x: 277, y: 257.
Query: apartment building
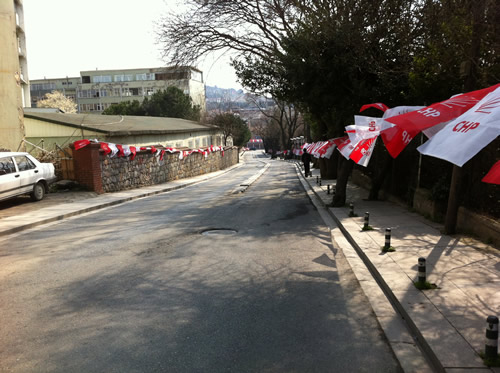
x: 99, y: 89
x: 40, y: 87
x: 96, y: 90
x: 14, y: 87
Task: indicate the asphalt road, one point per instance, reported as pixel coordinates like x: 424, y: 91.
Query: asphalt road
x: 200, y: 279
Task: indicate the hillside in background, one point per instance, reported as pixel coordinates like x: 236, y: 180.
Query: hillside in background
x: 230, y: 99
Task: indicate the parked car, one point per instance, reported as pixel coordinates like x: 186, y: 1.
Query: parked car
x: 21, y: 173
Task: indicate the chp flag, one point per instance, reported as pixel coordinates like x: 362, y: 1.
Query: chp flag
x: 408, y: 125
x: 462, y: 138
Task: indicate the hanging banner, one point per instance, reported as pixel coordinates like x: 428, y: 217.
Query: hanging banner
x: 113, y: 148
x: 81, y: 144
x: 105, y: 148
x: 363, y: 151
x: 377, y: 105
x: 344, y: 146
x: 410, y: 124
x: 465, y: 136
x: 120, y: 151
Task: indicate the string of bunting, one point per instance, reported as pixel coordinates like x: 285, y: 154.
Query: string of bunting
x: 118, y: 150
x: 457, y: 129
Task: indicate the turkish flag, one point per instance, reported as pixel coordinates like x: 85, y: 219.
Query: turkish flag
x: 81, y: 143
x: 493, y: 176
x: 410, y: 124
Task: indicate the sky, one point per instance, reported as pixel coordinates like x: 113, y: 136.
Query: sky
x: 64, y: 37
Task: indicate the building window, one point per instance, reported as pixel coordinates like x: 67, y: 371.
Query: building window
x: 123, y: 78
x: 85, y: 79
x: 101, y: 79
x: 145, y: 76
x: 148, y: 91
x: 43, y: 87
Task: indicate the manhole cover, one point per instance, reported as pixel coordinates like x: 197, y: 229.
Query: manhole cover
x: 219, y: 231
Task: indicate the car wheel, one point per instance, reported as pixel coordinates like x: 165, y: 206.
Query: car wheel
x: 38, y: 192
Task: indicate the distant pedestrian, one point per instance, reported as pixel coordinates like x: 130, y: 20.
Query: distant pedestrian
x: 306, y: 159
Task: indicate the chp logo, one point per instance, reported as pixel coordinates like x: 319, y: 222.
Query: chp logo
x: 372, y: 126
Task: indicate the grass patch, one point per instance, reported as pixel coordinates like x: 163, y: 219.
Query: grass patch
x: 489, y: 362
x: 368, y: 228
x: 389, y: 249
x: 424, y: 286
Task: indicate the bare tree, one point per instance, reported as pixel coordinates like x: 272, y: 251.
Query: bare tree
x: 286, y: 117
x: 247, y: 27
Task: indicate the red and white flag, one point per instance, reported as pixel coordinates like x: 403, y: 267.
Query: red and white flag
x: 81, y: 144
x: 126, y: 150
x: 133, y: 152
x: 465, y: 136
x: 493, y: 175
x: 377, y: 105
x: 120, y: 150
x: 113, y: 148
x: 363, y: 151
x: 410, y: 124
x: 105, y: 147
x: 326, y: 150
x: 344, y: 146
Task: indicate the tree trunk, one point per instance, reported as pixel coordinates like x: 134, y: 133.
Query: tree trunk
x: 322, y: 167
x: 380, y: 177
x: 331, y: 166
x: 345, y: 169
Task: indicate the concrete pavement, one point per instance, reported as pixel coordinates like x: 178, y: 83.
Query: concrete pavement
x: 448, y: 322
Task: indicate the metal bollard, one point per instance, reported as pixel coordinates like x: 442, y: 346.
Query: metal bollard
x: 319, y: 182
x: 351, y: 209
x: 387, y: 238
x: 491, y: 345
x: 367, y: 219
x: 328, y: 189
x: 421, y: 271
x: 317, y: 179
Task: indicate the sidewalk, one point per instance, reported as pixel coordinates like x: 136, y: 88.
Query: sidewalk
x: 450, y: 321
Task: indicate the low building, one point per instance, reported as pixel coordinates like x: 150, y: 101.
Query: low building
x: 50, y: 131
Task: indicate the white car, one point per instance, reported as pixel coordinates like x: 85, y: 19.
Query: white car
x: 21, y: 173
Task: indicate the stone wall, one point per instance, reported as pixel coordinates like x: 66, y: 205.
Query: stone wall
x: 121, y: 173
